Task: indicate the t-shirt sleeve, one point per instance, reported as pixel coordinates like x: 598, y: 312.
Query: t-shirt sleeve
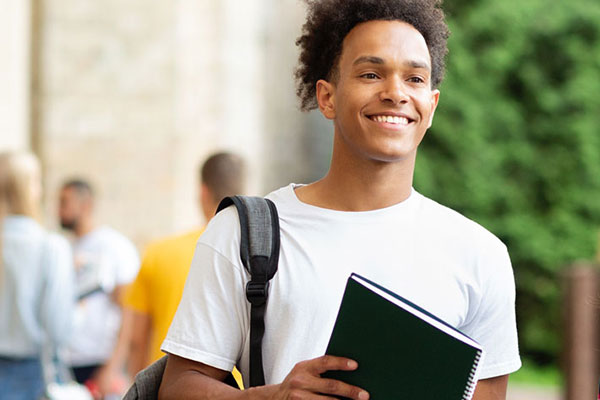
x: 127, y: 262
x: 492, y: 321
x: 211, y: 322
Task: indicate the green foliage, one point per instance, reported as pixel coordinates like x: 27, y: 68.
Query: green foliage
x: 531, y: 374
x: 516, y: 142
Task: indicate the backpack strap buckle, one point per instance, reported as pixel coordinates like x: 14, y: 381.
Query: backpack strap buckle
x: 257, y: 292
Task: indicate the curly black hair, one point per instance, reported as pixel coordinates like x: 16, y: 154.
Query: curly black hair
x: 329, y: 21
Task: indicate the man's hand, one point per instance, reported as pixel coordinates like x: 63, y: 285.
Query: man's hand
x: 108, y: 381
x: 305, y: 382
x: 187, y: 379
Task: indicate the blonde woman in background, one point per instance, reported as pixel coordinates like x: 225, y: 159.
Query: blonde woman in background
x: 36, y: 280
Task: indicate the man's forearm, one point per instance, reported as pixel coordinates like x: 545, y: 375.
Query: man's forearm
x: 193, y: 385
x: 138, y: 359
x: 140, y: 343
x: 186, y: 379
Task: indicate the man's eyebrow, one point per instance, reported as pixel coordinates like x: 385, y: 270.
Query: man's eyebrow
x: 368, y: 60
x: 378, y: 60
x: 418, y: 64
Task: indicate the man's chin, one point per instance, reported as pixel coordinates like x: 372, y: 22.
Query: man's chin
x: 67, y: 226
x: 394, y: 156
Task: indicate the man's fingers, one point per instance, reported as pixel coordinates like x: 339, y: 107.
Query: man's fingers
x: 305, y: 378
x: 329, y: 363
x: 314, y: 383
x: 338, y: 388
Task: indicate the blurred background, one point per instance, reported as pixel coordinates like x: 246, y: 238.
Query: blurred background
x: 134, y: 94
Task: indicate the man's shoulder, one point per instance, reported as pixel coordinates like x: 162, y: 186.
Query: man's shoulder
x: 110, y: 241
x: 224, y: 223
x: 223, y: 231
x: 449, y: 222
x: 106, y: 233
x: 228, y: 217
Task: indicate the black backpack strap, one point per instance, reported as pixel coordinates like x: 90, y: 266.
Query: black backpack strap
x: 259, y: 252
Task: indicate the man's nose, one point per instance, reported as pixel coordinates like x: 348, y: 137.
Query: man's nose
x: 394, y: 91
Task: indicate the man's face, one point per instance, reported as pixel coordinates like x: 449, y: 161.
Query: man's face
x: 70, y: 208
x: 381, y: 100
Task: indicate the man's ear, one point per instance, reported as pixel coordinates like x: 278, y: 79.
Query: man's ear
x: 86, y: 204
x: 435, y: 98
x: 207, y: 202
x: 326, y: 98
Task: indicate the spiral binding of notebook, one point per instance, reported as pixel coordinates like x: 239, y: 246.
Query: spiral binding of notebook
x: 472, y: 382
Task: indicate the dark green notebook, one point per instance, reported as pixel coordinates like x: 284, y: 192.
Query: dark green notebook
x: 403, y: 351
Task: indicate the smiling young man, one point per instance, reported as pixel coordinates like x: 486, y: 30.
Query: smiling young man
x: 372, y: 67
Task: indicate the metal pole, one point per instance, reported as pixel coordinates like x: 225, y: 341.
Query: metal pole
x: 582, y: 306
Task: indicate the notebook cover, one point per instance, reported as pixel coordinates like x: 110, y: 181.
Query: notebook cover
x: 400, y: 356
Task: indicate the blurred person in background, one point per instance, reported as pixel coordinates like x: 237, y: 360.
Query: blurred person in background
x: 105, y: 263
x: 36, y: 280
x: 156, y: 292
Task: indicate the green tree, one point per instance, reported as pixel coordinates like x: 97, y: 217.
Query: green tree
x: 515, y: 144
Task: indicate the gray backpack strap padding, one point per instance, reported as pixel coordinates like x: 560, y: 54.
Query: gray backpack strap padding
x: 259, y: 226
x: 259, y: 235
x: 147, y: 382
x: 259, y: 252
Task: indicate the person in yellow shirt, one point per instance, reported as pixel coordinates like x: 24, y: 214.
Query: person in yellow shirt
x: 154, y: 295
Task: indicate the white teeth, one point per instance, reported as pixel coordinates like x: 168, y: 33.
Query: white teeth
x: 391, y: 119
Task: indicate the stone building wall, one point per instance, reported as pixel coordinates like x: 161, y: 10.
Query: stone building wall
x: 135, y: 93
x: 106, y: 108
x: 298, y: 145
x: 14, y: 74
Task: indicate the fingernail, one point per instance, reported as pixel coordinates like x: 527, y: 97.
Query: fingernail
x: 352, y: 364
x: 363, y: 395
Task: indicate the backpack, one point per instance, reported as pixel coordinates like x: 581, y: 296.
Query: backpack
x: 259, y: 252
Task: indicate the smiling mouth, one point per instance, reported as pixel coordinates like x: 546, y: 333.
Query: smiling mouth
x: 391, y: 119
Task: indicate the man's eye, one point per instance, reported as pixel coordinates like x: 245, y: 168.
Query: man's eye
x: 369, y: 75
x: 416, y: 79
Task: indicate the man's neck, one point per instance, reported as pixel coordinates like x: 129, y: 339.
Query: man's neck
x: 84, y: 227
x: 360, y: 185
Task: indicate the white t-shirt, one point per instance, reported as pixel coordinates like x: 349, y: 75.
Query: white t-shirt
x: 109, y: 259
x: 419, y: 249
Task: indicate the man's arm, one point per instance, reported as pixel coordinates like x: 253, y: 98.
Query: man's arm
x: 492, y: 388
x: 186, y: 379
x: 110, y: 373
x: 118, y: 294
x: 140, y: 343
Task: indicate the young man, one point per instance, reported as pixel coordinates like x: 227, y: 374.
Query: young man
x: 105, y: 262
x: 372, y: 67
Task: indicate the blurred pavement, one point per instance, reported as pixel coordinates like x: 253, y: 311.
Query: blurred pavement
x: 518, y: 392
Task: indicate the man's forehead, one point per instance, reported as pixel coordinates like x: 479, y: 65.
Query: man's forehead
x: 381, y: 39
x: 71, y: 192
